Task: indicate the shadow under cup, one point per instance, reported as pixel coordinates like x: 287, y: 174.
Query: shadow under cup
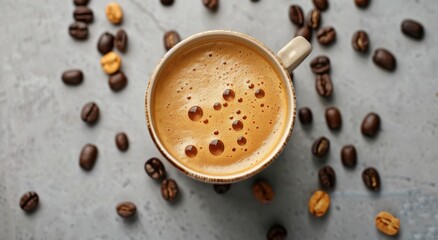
x: 247, y: 41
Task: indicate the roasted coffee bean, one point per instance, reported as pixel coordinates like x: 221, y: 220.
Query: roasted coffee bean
x: 349, y: 156
x: 412, y: 28
x: 29, y: 201
x: 276, y: 232
x: 221, y: 188
x: 90, y: 113
x: 314, y: 19
x: 362, y: 3
x: 83, y: 14
x: 105, y: 43
x: 324, y: 85
x: 320, y: 65
x: 169, y: 189
x: 360, y: 41
x: 320, y: 147
x: 111, y: 63
x: 333, y: 118
x: 321, y: 4
x: 305, y: 32
x: 72, y: 77
x: 80, y: 2
x: 126, y: 209
x: 327, y: 177
x: 305, y: 115
x: 78, y: 30
x: 319, y: 203
x: 114, y: 13
x: 370, y: 125
x: 171, y: 38
x: 155, y: 168
x: 387, y: 223
x: 117, y: 81
x: 263, y: 191
x: 296, y: 15
x: 384, y: 59
x: 167, y: 2
x: 121, y: 40
x: 326, y: 35
x: 371, y: 178
x: 122, y: 141
x: 88, y: 157
x: 211, y: 4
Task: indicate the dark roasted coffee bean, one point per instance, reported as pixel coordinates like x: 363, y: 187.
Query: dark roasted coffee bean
x: 384, y: 59
x: 121, y: 40
x: 72, y: 77
x: 83, y: 14
x: 211, y: 4
x: 255, y: 0
x: 126, y: 209
x: 221, y: 188
x: 296, y: 15
x: 320, y: 65
x: 324, y: 85
x: 320, y: 147
x: 371, y: 178
x: 349, y: 156
x: 117, y: 81
x: 412, y: 28
x: 370, y: 125
x: 305, y: 115
x: 169, y: 189
x: 105, y: 43
x: 276, y: 232
x: 263, y: 191
x: 155, y: 168
x: 362, y: 3
x: 314, y: 19
x: 305, y: 32
x: 360, y: 41
x: 333, y: 118
x: 321, y: 4
x: 122, y: 141
x: 167, y: 2
x: 29, y: 201
x: 90, y: 113
x: 327, y: 177
x: 326, y: 35
x: 88, y: 157
x: 171, y: 38
x: 80, y: 2
x: 78, y: 30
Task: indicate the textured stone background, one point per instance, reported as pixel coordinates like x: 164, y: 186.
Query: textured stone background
x: 42, y: 134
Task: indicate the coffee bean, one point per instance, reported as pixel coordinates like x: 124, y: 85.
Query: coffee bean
x: 305, y: 32
x: 319, y: 203
x: 111, y: 63
x: 321, y: 4
x: 171, y: 38
x: 255, y: 0
x: 305, y: 115
x: 320, y: 147
x: 29, y: 201
x: 276, y: 232
x: 126, y: 209
x: 387, y: 223
x: 370, y: 125
x: 314, y: 19
x: 121, y: 40
x: 327, y: 177
x: 90, y: 113
x: 83, y: 14
x: 155, y: 168
x: 333, y: 118
x: 360, y: 41
x: 320, y: 65
x: 296, y: 15
x: 80, y: 2
x: 169, y: 189
x: 72, y: 77
x: 412, y: 28
x: 324, y: 85
x: 326, y: 35
x: 122, y: 141
x: 117, y: 81
x: 349, y: 156
x: 263, y: 191
x: 88, y: 157
x: 78, y: 30
x: 384, y: 59
x: 211, y: 4
x: 221, y: 188
x: 114, y: 13
x: 105, y: 43
x: 371, y: 178
x: 362, y: 3
x: 167, y: 2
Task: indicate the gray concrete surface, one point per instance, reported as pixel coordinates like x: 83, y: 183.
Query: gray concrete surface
x: 42, y: 134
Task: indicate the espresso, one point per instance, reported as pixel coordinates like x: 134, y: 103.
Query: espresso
x: 219, y: 108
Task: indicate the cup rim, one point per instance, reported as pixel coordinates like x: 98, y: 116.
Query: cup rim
x: 264, y: 163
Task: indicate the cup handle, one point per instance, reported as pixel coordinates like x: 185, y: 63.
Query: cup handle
x: 294, y: 52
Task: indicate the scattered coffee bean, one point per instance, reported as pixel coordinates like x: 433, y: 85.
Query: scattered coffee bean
x: 72, y: 77
x: 126, y: 209
x: 155, y: 168
x: 114, y: 13
x: 122, y: 141
x: 211, y: 4
x: 83, y: 14
x: 263, y: 191
x: 371, y: 178
x: 121, y: 40
x: 90, y: 113
x: 29, y: 201
x: 314, y: 19
x: 360, y: 41
x: 349, y: 156
x: 387, y: 223
x: 111, y: 63
x: 324, y: 85
x: 88, y: 157
x: 413, y: 29
x: 276, y: 232
x: 384, y: 59
x: 169, y: 189
x: 362, y: 3
x: 333, y: 118
x: 255, y: 0
x: 370, y: 125
x: 320, y: 147
x: 326, y: 35
x: 305, y: 32
x: 171, y: 38
x: 221, y: 188
x: 327, y: 177
x: 321, y: 4
x: 319, y: 203
x: 305, y: 115
x: 167, y: 2
x: 105, y: 43
x: 320, y: 65
x: 80, y: 2
x: 117, y: 81
x: 78, y: 30
x: 296, y: 15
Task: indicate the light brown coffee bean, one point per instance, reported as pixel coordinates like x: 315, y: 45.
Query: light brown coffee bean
x: 171, y: 38
x: 126, y: 209
x: 314, y: 19
x: 319, y: 203
x: 111, y: 62
x: 263, y: 191
x: 114, y: 13
x: 387, y: 223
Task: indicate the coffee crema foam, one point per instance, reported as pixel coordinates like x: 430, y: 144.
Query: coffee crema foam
x: 219, y: 108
